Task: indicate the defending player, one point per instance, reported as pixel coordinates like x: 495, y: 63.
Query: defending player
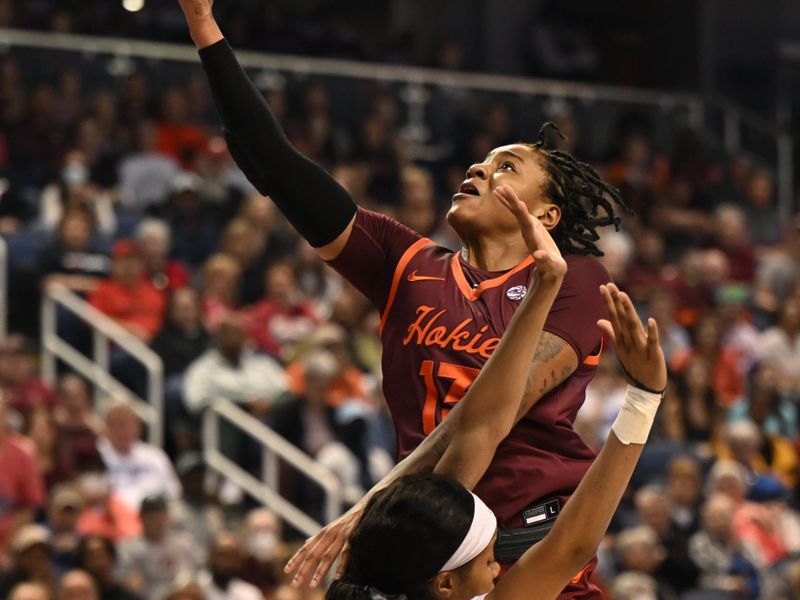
x: 442, y: 313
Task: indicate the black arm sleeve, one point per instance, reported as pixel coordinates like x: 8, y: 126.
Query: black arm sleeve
x: 313, y: 202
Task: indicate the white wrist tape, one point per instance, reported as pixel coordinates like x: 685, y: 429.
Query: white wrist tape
x: 636, y: 416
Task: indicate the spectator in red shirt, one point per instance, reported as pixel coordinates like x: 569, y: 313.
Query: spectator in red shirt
x: 23, y: 389
x: 166, y: 274
x: 284, y: 316
x: 732, y: 237
x: 21, y: 487
x: 128, y: 297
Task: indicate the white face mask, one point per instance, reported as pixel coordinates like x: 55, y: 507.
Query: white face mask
x: 262, y: 545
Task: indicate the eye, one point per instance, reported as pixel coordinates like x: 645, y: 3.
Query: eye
x: 506, y: 165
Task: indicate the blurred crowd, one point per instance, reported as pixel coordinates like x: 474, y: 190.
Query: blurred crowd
x: 127, y: 196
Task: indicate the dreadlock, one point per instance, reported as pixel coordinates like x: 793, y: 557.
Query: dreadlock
x: 581, y: 194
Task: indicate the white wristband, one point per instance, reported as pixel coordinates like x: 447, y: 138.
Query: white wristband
x: 636, y: 416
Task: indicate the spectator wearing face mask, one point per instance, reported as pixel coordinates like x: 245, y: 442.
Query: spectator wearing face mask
x: 261, y: 538
x: 75, y: 191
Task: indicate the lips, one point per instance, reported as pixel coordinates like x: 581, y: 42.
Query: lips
x: 469, y: 188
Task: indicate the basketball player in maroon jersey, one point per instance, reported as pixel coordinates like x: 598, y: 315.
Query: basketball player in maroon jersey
x: 442, y: 314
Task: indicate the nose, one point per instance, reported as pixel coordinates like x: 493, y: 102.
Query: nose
x: 477, y: 170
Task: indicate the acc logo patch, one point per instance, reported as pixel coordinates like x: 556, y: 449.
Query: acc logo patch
x: 517, y: 292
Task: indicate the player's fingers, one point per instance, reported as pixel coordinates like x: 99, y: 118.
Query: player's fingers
x: 632, y: 321
x: 606, y: 328
x: 325, y: 562
x: 296, y: 560
x: 312, y: 556
x: 613, y: 318
x: 653, y: 337
x: 344, y: 558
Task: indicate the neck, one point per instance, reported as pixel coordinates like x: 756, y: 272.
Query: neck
x: 495, y: 254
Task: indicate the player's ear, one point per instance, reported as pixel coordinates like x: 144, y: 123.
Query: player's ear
x: 549, y: 214
x: 444, y: 585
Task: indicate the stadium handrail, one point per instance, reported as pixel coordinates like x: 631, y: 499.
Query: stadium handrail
x: 3, y: 288
x: 97, y: 369
x: 735, y: 117
x: 274, y: 447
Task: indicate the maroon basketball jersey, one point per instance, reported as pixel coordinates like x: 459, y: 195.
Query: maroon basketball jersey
x: 441, y: 319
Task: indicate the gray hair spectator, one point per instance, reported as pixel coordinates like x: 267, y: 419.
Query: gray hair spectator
x: 154, y: 239
x: 725, y: 564
x: 136, y: 468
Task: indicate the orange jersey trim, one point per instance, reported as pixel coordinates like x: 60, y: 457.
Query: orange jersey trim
x: 398, y: 275
x: 594, y: 359
x: 474, y: 294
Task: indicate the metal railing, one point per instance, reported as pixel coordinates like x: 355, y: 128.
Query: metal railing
x: 105, y: 332
x: 3, y: 289
x: 274, y: 448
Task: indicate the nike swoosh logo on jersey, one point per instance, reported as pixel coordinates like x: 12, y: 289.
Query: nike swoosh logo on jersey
x: 414, y: 277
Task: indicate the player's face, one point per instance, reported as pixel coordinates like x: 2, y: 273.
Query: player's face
x: 475, y: 210
x: 477, y: 578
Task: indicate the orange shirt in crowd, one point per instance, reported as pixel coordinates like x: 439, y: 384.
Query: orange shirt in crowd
x: 114, y: 520
x: 181, y: 141
x: 351, y: 384
x: 727, y: 379
x: 142, y: 306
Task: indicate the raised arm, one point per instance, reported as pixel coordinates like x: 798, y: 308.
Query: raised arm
x: 313, y: 202
x: 491, y: 407
x: 547, y: 567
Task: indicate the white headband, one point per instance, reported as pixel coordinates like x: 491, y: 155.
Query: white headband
x: 480, y: 534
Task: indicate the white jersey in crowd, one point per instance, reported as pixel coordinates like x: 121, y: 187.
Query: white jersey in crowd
x: 144, y: 471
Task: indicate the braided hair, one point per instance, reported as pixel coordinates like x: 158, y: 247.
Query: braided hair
x: 584, y: 198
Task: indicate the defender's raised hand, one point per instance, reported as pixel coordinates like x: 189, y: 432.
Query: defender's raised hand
x: 196, y: 9
x: 549, y: 262
x: 638, y: 349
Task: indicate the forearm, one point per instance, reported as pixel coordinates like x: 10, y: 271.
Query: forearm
x: 490, y: 409
x: 424, y: 457
x: 313, y: 202
x: 580, y: 527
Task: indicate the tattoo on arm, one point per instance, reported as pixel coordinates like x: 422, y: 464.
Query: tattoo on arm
x: 549, y: 346
x: 543, y: 380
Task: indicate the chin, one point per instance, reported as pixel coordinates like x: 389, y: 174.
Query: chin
x: 463, y: 219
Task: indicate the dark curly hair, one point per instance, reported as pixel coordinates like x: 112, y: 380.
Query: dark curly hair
x: 586, y: 201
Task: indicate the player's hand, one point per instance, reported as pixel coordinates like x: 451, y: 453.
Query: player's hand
x: 196, y: 9
x: 549, y: 262
x: 312, y: 562
x: 638, y: 349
